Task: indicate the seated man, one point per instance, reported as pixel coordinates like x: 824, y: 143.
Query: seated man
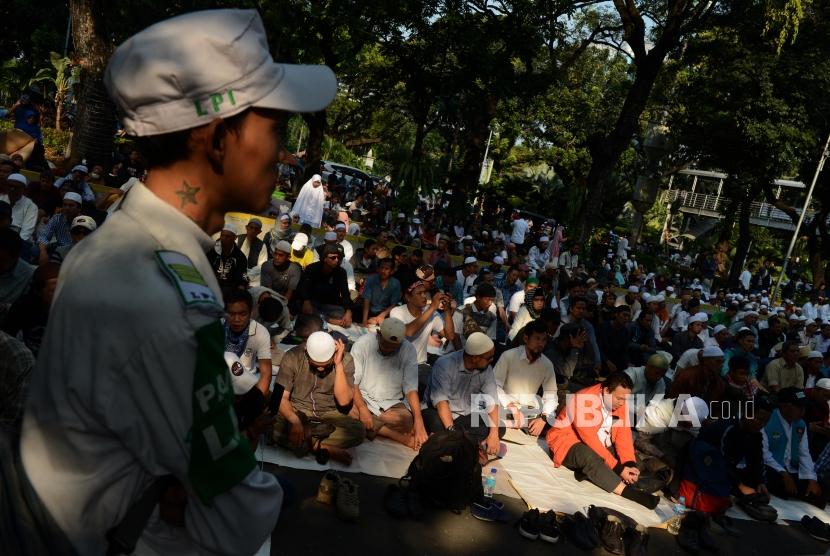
x: 318, y: 377
x: 785, y: 372
x: 324, y: 288
x: 570, y: 354
x: 271, y: 310
x: 280, y: 274
x: 381, y: 294
x: 422, y: 318
x: 386, y: 385
x: 479, y: 316
x: 592, y: 437
x: 247, y: 339
x: 789, y: 466
x: 228, y: 262
x: 649, y: 382
x: 459, y: 380
x: 727, y: 458
x: 520, y: 373
x: 703, y: 380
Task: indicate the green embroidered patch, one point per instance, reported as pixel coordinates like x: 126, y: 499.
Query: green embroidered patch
x: 190, y: 283
x: 214, y: 102
x: 219, y: 457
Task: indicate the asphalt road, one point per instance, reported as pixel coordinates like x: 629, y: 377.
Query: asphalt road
x: 307, y: 527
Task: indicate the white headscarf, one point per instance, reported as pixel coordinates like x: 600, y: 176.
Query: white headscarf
x: 309, y: 203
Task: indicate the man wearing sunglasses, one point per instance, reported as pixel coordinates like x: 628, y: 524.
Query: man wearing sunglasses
x: 462, y: 393
x: 324, y: 288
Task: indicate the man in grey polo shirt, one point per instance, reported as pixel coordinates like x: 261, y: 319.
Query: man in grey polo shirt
x: 458, y: 381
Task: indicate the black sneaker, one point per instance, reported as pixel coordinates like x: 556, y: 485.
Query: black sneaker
x: 636, y: 541
x: 579, y: 531
x: 611, y: 535
x: 689, y: 535
x: 705, y: 534
x: 816, y: 528
x: 529, y: 525
x: 548, y: 527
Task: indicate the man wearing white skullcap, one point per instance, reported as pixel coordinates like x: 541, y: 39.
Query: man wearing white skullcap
x: 141, y: 391
x: 462, y: 393
x: 56, y: 232
x: 229, y: 264
x: 539, y: 255
x: 318, y: 377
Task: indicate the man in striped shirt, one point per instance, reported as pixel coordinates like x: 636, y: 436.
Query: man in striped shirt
x: 57, y: 228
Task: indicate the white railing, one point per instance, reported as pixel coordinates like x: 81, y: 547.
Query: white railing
x: 715, y: 204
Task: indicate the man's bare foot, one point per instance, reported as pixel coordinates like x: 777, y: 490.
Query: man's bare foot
x: 338, y: 454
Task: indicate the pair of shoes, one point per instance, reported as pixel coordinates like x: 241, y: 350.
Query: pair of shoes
x: 342, y: 493
x: 580, y: 531
x: 535, y: 525
x: 402, y: 502
x: 695, y: 535
x: 618, y: 533
x: 488, y: 511
x: 816, y: 528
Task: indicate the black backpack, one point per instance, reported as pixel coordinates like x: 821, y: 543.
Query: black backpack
x: 446, y: 472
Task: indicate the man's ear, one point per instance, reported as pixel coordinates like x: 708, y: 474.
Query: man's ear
x: 211, y: 140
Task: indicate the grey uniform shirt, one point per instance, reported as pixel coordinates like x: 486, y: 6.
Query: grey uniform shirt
x: 131, y: 385
x: 451, y: 382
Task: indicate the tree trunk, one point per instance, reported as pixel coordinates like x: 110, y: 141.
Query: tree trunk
x: 92, y: 137
x: 316, y: 123
x: 606, y: 151
x: 743, y: 243
x: 58, y: 115
x: 479, y: 116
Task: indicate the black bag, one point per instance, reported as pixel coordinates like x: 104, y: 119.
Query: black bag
x: 446, y: 472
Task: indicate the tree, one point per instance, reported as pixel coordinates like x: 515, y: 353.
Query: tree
x: 671, y: 22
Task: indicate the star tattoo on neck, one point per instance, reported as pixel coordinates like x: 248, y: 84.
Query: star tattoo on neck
x: 187, y: 194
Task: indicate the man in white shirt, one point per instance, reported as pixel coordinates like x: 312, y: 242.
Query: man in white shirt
x: 520, y: 373
x: 539, y: 255
x: 24, y: 210
x: 745, y: 278
x: 467, y: 274
x: 420, y: 315
x: 248, y: 339
x: 479, y: 316
x: 790, y: 470
x: 622, y: 248
x: 649, y: 383
x: 519, y: 228
x: 348, y: 249
x: 386, y: 385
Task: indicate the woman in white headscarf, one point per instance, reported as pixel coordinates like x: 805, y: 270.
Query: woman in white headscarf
x: 309, y: 203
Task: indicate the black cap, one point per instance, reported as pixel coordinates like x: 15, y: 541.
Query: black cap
x: 795, y: 396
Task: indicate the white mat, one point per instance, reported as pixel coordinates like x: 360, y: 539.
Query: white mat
x: 543, y: 486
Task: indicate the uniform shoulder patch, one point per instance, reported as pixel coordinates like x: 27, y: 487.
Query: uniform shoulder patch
x: 192, y: 287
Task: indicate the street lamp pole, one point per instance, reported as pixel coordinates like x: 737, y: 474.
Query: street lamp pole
x: 484, y: 160
x: 819, y: 168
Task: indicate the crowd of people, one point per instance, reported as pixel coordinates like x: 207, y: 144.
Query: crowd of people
x: 365, y: 322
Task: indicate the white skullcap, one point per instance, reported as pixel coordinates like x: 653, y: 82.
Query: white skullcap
x: 793, y: 317
x: 283, y: 246
x: 228, y: 228
x: 340, y: 226
x: 470, y: 260
x: 330, y: 236
x: 320, y: 347
x: 659, y: 298
x: 498, y: 259
x: 823, y: 383
x: 815, y: 354
x: 241, y: 379
x: 74, y: 197
x: 719, y: 328
x: 19, y: 178
x: 478, y: 343
x: 712, y: 351
x: 80, y: 168
x: 633, y: 289
x: 544, y: 239
x: 699, y: 317
x: 695, y: 407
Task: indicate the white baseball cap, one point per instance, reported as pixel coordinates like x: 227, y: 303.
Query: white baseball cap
x: 84, y: 222
x: 241, y: 379
x: 300, y: 241
x: 185, y: 71
x: 393, y: 330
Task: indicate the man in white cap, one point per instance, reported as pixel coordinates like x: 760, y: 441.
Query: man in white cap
x: 300, y: 251
x: 77, y: 182
x: 649, y: 381
x: 539, y: 255
x: 24, y: 210
x: 703, y: 380
x: 386, y: 385
x: 720, y: 337
x: 462, y: 393
x: 666, y: 428
x: 82, y: 226
x: 109, y: 414
x: 318, y: 377
x: 348, y: 250
x: 467, y: 274
x: 632, y: 299
x: 280, y: 274
x: 689, y: 338
x: 228, y: 263
x: 56, y: 229
x: 255, y: 250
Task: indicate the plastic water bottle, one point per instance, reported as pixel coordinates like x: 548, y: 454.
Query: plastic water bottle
x: 673, y: 526
x: 490, y: 483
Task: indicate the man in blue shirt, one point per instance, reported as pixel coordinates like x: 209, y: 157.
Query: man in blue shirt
x: 381, y: 293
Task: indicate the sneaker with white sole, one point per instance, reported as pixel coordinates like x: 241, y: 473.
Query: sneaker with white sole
x: 548, y: 527
x: 529, y: 525
x: 348, y: 503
